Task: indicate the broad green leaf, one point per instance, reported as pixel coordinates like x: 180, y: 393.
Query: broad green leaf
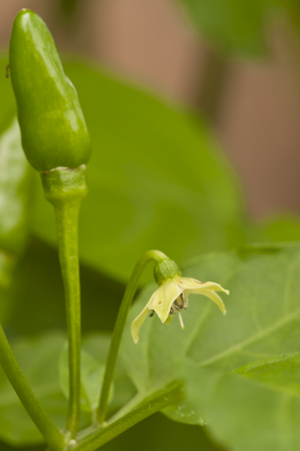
x: 265, y: 401
x: 38, y: 358
x: 156, y: 179
x: 262, y: 322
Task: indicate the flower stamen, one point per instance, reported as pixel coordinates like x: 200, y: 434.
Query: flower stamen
x: 181, y: 320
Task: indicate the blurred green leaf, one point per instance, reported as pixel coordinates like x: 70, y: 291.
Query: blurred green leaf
x: 262, y: 322
x: 68, y: 7
x: 37, y: 296
x: 239, y: 28
x: 233, y: 26
x: 97, y: 345
x: 280, y: 373
x: 157, y: 180
x: 38, y: 358
x: 259, y: 411
x: 8, y: 104
x: 155, y: 432
x: 15, y: 195
x: 92, y: 374
x: 159, y: 433
x: 280, y: 228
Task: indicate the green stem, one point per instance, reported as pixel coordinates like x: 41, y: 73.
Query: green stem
x: 52, y: 436
x: 119, y: 328
x: 161, y: 399
x: 65, y: 189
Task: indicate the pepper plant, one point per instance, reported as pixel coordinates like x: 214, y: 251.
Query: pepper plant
x: 56, y: 142
x: 238, y: 372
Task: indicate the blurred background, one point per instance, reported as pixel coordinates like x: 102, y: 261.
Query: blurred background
x: 250, y: 94
x: 234, y: 66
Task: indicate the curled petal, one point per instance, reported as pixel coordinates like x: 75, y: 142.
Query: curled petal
x: 189, y: 284
x: 137, y: 323
x: 211, y: 295
x: 163, y: 298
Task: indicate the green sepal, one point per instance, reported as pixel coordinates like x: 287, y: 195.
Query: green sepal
x: 64, y: 185
x: 54, y: 132
x: 165, y: 269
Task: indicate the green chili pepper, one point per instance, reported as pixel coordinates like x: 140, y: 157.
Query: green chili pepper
x: 54, y: 132
x: 57, y: 143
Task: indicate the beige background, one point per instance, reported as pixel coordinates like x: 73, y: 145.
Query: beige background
x: 256, y: 114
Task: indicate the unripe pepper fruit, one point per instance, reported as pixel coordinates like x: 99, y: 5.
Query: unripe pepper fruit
x: 54, y: 132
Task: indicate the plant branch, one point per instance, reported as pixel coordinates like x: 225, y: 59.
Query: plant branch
x: 158, y: 401
x: 35, y: 410
x: 119, y: 328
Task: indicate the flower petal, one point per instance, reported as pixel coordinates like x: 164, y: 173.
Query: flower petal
x: 211, y: 295
x: 164, y: 297
x: 137, y: 323
x: 189, y: 284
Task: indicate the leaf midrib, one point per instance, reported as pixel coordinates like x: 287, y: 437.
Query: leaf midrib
x: 240, y: 346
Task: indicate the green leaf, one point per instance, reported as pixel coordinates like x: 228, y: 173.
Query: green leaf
x: 38, y: 358
x: 233, y: 26
x: 93, y: 360
x: 156, y: 180
x: 239, y: 28
x: 8, y: 106
x: 280, y: 228
x: 280, y: 373
x: 265, y: 402
x: 262, y: 322
x: 38, y: 288
x: 97, y: 345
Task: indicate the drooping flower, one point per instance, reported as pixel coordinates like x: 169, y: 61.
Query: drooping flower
x: 172, y: 297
